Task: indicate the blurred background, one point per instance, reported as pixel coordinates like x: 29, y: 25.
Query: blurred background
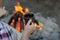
x: 46, y: 7
x: 46, y: 12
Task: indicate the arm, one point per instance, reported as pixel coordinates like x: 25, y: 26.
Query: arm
x: 28, y: 30
x: 25, y: 36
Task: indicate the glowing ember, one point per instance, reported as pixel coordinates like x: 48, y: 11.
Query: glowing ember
x: 38, y: 26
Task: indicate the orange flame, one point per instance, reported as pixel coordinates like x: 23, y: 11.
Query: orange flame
x: 38, y: 26
x: 19, y: 9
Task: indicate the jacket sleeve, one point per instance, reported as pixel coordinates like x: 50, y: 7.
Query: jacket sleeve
x: 15, y: 35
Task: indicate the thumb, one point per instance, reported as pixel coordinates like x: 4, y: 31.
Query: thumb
x: 29, y: 22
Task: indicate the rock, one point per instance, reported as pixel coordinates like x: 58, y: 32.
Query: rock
x: 2, y: 12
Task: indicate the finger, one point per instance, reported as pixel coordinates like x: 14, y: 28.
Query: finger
x: 32, y: 24
x: 29, y: 22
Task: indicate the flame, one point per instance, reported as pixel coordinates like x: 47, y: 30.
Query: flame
x: 38, y: 26
x: 19, y: 9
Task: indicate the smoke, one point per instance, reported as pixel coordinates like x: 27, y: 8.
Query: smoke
x: 50, y: 29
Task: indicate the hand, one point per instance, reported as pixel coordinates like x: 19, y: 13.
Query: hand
x: 29, y: 28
